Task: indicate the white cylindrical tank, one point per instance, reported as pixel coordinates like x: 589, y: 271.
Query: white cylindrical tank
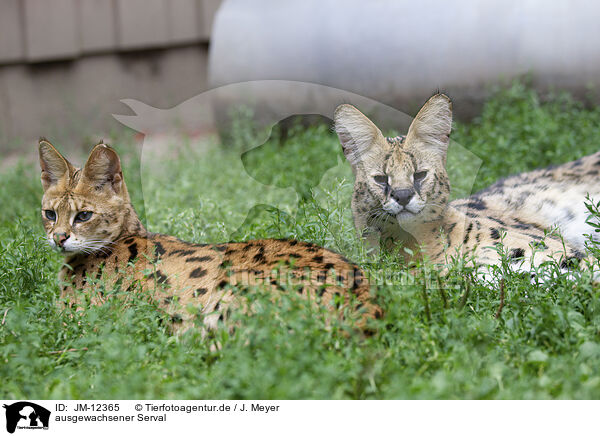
x: 399, y: 52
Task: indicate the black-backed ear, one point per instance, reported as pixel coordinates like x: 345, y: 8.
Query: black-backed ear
x: 54, y: 166
x: 103, y: 168
x: 358, y: 135
x: 432, y: 125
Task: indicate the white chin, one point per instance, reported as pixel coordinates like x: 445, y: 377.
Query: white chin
x: 405, y: 215
x: 69, y: 249
x: 63, y: 250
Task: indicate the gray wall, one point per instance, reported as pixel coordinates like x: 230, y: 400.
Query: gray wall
x: 65, y: 64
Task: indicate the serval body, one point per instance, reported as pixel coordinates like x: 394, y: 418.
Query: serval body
x: 88, y: 216
x: 401, y: 197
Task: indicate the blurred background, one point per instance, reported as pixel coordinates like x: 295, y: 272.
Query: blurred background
x: 66, y: 64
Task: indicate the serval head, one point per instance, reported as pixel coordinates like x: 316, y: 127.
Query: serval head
x: 403, y: 177
x: 84, y: 210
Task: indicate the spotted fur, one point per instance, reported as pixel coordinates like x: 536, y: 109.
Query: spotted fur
x: 111, y: 246
x: 401, y: 197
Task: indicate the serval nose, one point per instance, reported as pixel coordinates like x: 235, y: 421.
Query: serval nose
x: 60, y: 239
x: 403, y: 196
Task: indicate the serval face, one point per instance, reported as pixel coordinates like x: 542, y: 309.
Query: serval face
x: 82, y: 209
x: 402, y: 178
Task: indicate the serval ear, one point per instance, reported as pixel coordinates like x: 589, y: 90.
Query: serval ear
x: 358, y: 135
x: 54, y: 166
x: 431, y: 127
x: 103, y: 168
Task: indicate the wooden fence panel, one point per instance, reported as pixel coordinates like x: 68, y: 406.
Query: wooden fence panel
x: 183, y: 21
x: 51, y: 29
x: 142, y: 23
x: 207, y: 14
x: 11, y: 42
x: 46, y: 30
x: 97, y: 25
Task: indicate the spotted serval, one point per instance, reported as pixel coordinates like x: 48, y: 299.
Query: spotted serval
x: 88, y: 217
x: 401, y: 196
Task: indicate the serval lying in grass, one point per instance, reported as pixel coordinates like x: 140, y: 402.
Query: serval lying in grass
x: 88, y: 217
x: 401, y: 196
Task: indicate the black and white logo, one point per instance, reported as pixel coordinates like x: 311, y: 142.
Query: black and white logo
x: 26, y: 415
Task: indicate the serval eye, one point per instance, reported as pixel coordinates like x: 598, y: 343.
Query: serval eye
x: 50, y: 214
x: 381, y: 180
x: 83, y: 216
x: 420, y: 175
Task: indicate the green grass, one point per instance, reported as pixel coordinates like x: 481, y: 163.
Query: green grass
x: 545, y: 343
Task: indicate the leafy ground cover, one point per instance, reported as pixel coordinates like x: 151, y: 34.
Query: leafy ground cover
x: 440, y: 338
